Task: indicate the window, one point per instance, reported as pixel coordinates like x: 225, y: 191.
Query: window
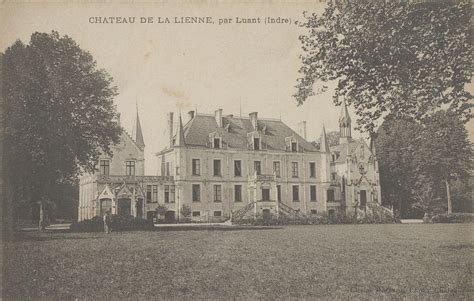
x: 104, y: 167
x: 279, y: 193
x: 312, y: 170
x: 217, y: 143
x: 333, y: 176
x: 257, y: 167
x: 217, y: 193
x: 276, y: 168
x: 238, y: 193
x: 167, y: 193
x: 312, y: 193
x: 172, y: 193
x: 155, y: 194
x: 294, y: 147
x: 217, y: 213
x: 196, y: 167
x: 167, y: 168
x: 294, y: 169
x: 196, y: 193
x: 237, y: 168
x: 296, y: 193
x: 313, y: 211
x: 196, y: 213
x: 256, y: 143
x: 148, y: 193
x: 265, y: 194
x: 330, y: 195
x: 130, y: 168
x: 217, y: 168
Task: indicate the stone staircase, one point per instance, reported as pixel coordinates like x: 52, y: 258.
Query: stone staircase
x: 286, y: 210
x: 238, y: 215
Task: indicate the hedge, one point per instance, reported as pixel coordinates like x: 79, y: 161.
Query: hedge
x: 453, y: 218
x: 118, y: 223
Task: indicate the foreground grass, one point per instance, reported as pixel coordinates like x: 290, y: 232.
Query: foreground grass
x: 344, y: 261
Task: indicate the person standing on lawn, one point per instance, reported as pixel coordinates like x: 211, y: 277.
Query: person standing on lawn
x: 107, y: 220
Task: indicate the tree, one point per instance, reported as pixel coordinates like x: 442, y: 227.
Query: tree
x: 445, y: 153
x: 186, y: 210
x: 161, y: 209
x: 395, y: 143
x: 390, y: 58
x: 59, y: 116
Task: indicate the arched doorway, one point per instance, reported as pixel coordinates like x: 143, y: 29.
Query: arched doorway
x: 170, y: 217
x: 105, y: 205
x: 124, y: 207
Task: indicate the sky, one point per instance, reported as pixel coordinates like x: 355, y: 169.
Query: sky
x: 164, y: 67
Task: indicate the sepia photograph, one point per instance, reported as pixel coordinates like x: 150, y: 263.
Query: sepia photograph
x: 222, y: 150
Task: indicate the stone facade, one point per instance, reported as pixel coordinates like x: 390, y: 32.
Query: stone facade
x: 219, y: 165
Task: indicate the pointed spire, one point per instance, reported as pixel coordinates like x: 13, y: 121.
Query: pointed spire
x: 180, y: 141
x: 324, y: 142
x: 344, y: 124
x: 138, y: 135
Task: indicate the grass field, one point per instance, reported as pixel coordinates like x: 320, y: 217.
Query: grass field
x: 433, y: 261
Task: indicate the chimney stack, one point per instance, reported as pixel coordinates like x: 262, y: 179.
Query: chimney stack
x: 191, y: 115
x: 170, y: 127
x: 253, y: 119
x: 218, y: 115
x: 302, y: 129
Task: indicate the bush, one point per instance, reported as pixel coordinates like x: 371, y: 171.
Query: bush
x: 118, y: 223
x: 453, y: 218
x: 95, y: 224
x: 337, y: 218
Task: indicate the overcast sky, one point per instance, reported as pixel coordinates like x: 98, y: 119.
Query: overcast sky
x: 180, y: 67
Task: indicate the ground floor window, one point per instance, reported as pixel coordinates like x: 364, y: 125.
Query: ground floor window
x: 238, y: 193
x: 196, y: 213
x: 196, y: 193
x: 279, y: 193
x: 217, y: 193
x: 312, y: 193
x: 217, y: 213
x: 330, y: 195
x: 296, y: 193
x: 265, y: 194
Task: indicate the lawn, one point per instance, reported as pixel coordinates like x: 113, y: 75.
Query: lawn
x: 377, y: 261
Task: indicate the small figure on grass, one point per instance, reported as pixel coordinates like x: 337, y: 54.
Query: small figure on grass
x: 107, y: 221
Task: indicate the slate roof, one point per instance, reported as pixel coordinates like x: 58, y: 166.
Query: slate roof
x: 197, y: 131
x: 343, y: 150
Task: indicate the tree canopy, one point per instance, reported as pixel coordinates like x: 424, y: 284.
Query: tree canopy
x: 59, y: 114
x: 418, y: 162
x: 390, y: 58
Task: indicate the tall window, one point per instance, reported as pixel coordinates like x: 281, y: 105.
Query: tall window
x: 330, y: 195
x: 148, y: 193
x: 265, y: 194
x: 196, y: 167
x: 196, y: 193
x: 130, y: 168
x: 312, y: 193
x: 279, y: 193
x: 296, y: 193
x: 217, y: 143
x: 167, y: 193
x: 312, y: 170
x: 238, y: 193
x: 237, y: 168
x: 217, y: 193
x: 257, y: 167
x: 217, y: 167
x: 104, y: 167
x: 276, y: 168
x: 167, y: 168
x: 294, y: 169
x: 155, y: 194
x: 256, y: 143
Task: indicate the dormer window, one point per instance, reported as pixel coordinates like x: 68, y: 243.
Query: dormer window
x: 215, y: 140
x: 217, y: 143
x: 291, y: 144
x: 256, y: 143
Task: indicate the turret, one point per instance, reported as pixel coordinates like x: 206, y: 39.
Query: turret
x: 344, y: 124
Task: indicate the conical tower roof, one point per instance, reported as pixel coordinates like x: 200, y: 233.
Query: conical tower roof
x: 344, y: 112
x: 138, y: 135
x: 324, y: 141
x: 180, y: 140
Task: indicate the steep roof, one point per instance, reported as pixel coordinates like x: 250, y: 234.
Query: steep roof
x: 138, y: 136
x: 344, y: 150
x: 197, y: 132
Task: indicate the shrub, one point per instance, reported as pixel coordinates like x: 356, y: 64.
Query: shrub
x: 118, y: 223
x: 453, y: 218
